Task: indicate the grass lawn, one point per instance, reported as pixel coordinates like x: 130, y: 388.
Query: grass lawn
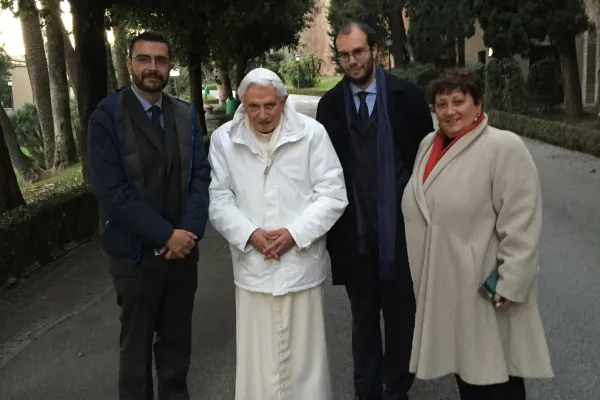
x: 326, y: 82
x: 204, y: 97
x: 66, y: 178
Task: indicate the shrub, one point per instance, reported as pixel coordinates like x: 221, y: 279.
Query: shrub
x: 545, y: 85
x: 273, y: 61
x: 29, y: 133
x: 306, y: 71
x: 552, y: 132
x: 505, y: 87
x: 38, y: 233
x: 418, y: 73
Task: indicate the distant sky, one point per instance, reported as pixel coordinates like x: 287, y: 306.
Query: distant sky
x: 10, y: 30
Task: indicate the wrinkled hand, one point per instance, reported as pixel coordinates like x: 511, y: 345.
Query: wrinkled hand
x: 505, y: 302
x: 179, y: 245
x: 282, y: 242
x: 259, y: 240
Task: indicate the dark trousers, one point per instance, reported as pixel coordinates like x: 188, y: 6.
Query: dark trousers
x: 376, y: 370
x: 514, y: 389
x: 156, y: 303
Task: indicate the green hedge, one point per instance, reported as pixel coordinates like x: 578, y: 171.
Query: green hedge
x: 38, y: 233
x: 307, y: 92
x: 552, y: 132
x: 418, y: 73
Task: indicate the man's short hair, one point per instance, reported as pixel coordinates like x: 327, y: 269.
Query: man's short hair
x: 351, y: 26
x: 149, y: 37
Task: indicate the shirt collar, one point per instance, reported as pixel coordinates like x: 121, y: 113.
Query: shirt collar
x: 372, y: 89
x: 145, y: 103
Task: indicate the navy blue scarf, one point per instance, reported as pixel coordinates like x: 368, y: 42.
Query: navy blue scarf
x: 386, y: 179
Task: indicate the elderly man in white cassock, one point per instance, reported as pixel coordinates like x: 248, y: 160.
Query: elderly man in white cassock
x: 277, y: 188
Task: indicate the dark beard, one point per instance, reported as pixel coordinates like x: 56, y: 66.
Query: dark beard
x: 365, y: 78
x: 139, y: 82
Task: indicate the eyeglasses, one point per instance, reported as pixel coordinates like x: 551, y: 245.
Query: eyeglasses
x: 358, y: 54
x: 160, y: 61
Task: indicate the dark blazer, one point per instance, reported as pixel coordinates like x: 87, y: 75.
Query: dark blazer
x: 410, y: 117
x: 130, y: 217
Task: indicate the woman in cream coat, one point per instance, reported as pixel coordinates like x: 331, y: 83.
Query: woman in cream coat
x: 473, y: 207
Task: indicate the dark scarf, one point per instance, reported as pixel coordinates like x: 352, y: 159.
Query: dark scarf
x: 386, y: 179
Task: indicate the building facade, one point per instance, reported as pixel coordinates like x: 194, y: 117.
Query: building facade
x: 19, y: 84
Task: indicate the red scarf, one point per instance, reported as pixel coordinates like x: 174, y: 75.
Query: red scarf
x: 438, y: 150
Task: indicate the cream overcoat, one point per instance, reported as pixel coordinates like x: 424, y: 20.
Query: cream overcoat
x: 479, y: 209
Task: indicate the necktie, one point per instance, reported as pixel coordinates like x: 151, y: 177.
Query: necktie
x: 363, y: 110
x: 155, y: 110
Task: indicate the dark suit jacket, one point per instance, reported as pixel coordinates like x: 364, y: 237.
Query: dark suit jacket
x: 131, y: 219
x: 411, y: 121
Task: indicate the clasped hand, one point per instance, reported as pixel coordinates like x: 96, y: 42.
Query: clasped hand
x: 179, y: 245
x: 272, y: 244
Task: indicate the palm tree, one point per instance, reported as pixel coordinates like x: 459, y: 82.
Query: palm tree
x: 37, y: 68
x: 66, y: 153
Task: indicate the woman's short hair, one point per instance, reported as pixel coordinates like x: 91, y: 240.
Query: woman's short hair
x: 464, y: 79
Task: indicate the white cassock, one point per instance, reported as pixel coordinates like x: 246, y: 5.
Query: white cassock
x: 290, y: 179
x: 281, y: 346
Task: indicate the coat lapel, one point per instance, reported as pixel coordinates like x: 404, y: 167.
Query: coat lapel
x: 453, y: 152
x: 140, y: 119
x: 417, y: 179
x: 339, y: 102
x: 170, y: 132
x: 372, y: 118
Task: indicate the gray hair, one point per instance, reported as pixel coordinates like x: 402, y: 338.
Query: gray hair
x: 264, y: 78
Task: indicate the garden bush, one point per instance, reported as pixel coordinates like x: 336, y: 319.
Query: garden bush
x: 418, y: 73
x: 306, y: 71
x: 553, y: 132
x: 505, y: 87
x: 41, y: 231
x: 29, y: 133
x: 544, y: 84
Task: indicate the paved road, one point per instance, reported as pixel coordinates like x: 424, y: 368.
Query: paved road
x: 58, y: 333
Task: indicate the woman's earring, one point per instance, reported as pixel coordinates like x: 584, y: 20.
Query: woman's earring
x: 477, y: 117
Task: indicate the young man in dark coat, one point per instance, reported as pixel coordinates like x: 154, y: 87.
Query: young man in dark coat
x: 151, y: 176
x: 376, y: 122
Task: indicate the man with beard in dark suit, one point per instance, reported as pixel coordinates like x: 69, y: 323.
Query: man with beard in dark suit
x: 151, y: 176
x: 376, y: 122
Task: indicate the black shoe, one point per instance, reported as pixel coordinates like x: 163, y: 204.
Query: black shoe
x: 368, y: 398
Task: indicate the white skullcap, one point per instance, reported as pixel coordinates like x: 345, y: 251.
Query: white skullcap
x: 262, y: 77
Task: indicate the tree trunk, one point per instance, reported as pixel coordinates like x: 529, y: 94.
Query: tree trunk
x: 110, y: 67
x: 20, y: 161
x: 225, y: 80
x: 120, y: 56
x: 66, y: 153
x: 194, y: 66
x: 597, y: 63
x: 570, y: 76
x: 10, y: 193
x: 37, y: 69
x: 240, y: 71
x: 71, y: 58
x: 88, y: 27
x: 398, y: 35
x: 460, y: 50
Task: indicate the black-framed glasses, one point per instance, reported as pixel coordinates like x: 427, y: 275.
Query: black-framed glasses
x: 146, y: 59
x: 358, y: 54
